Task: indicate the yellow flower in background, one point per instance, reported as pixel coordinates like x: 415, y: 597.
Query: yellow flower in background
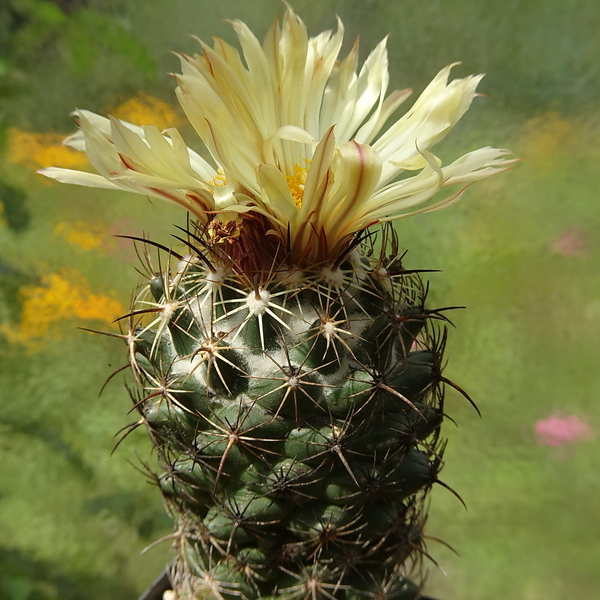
x: 143, y: 108
x: 547, y: 138
x: 88, y: 236
x: 36, y: 150
x: 63, y: 296
x: 299, y: 153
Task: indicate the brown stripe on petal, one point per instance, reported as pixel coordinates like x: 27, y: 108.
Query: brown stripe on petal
x: 127, y: 163
x: 304, y: 249
x: 361, y: 154
x: 197, y: 202
x: 171, y: 198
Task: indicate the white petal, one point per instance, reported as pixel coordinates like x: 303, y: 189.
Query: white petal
x: 435, y: 112
x: 370, y: 129
x: 276, y: 192
x: 476, y: 165
x: 317, y: 178
x: 371, y: 86
x: 78, y: 178
x: 357, y: 173
x: 224, y: 197
x: 99, y: 148
x: 393, y: 200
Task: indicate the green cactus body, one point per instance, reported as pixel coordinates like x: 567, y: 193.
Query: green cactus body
x: 296, y: 414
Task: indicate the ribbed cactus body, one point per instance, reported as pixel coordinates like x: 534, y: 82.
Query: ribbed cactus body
x: 296, y: 414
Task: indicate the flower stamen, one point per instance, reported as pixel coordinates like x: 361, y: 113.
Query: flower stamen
x: 296, y: 182
x: 220, y: 180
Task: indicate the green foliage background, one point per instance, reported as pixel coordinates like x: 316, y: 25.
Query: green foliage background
x: 520, y: 251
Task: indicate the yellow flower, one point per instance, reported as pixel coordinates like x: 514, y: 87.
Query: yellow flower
x: 88, y: 236
x: 61, y: 296
x: 143, y: 108
x: 295, y: 135
x: 37, y: 150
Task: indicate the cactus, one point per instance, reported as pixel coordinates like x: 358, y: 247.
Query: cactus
x: 297, y: 416
x: 289, y: 368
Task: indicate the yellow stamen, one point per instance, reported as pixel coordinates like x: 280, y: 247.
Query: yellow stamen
x: 220, y: 180
x: 296, y: 181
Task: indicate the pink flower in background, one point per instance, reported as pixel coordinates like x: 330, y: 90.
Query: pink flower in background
x: 118, y: 246
x: 560, y: 429
x: 570, y: 243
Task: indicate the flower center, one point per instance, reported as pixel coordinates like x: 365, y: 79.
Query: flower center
x: 296, y: 181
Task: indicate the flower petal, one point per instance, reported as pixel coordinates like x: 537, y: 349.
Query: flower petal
x: 78, y: 178
x: 277, y: 196
x: 435, y: 112
x: 315, y: 188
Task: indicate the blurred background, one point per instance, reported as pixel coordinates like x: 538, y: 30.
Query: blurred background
x: 520, y: 252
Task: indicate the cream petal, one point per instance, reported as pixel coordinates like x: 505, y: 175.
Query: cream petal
x: 97, y: 122
x: 259, y: 69
x: 78, y: 178
x: 132, y: 147
x: 371, y: 86
x: 395, y: 198
x: 294, y: 134
x: 435, y: 112
x: 448, y: 201
x: 371, y: 128
x: 259, y: 77
x: 224, y: 197
x: 317, y: 178
x: 357, y: 174
x: 398, y: 196
x: 153, y: 154
x: 339, y: 89
x: 291, y: 69
x: 321, y: 60
x: 99, y: 149
x: 276, y: 193
x: 275, y: 108
x: 198, y: 166
x: 477, y: 165
x: 75, y: 141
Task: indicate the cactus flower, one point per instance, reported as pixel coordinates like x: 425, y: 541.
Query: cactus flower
x: 296, y: 141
